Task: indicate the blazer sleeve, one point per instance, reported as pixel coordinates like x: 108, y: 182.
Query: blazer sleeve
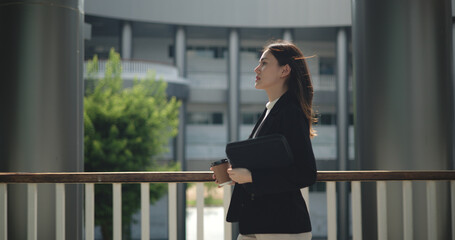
x: 293, y: 125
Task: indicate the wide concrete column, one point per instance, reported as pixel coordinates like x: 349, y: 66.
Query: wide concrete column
x: 127, y: 40
x: 342, y: 131
x: 403, y: 103
x: 41, y: 98
x: 180, y: 62
x: 234, y: 96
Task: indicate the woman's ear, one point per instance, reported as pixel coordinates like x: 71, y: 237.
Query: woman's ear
x: 285, y: 71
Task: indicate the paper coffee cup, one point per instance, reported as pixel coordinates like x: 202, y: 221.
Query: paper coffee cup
x: 220, y: 169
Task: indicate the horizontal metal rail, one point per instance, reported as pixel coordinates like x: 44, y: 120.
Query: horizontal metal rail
x: 206, y: 176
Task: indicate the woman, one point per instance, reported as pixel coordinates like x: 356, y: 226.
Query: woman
x: 268, y: 203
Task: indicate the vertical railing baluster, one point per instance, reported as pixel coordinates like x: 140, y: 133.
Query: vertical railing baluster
x: 432, y: 220
x: 172, y: 194
x: 306, y: 195
x: 381, y: 191
x: 226, y: 200
x: 145, y: 211
x: 3, y: 211
x: 407, y: 211
x: 60, y: 211
x: 200, y: 210
x: 356, y: 206
x: 32, y: 211
x: 331, y: 211
x: 117, y: 209
x: 89, y: 211
x: 452, y: 193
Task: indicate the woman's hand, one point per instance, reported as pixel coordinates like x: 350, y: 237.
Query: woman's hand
x: 240, y: 175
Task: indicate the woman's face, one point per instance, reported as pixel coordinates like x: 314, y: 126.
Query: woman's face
x: 269, y: 74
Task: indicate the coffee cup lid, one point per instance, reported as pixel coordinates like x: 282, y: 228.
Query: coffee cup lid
x: 218, y: 162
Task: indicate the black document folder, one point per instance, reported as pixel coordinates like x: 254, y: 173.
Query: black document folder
x: 261, y: 152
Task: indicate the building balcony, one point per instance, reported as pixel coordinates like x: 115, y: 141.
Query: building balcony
x: 138, y: 69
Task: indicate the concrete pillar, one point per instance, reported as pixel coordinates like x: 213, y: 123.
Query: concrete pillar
x: 342, y: 131
x: 180, y: 62
x: 288, y: 35
x: 453, y: 82
x: 127, y: 40
x: 403, y: 103
x: 234, y: 96
x: 41, y: 128
x: 234, y: 86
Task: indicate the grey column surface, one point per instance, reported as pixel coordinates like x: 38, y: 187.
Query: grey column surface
x: 180, y: 62
x: 287, y: 35
x: 453, y: 83
x: 403, y: 103
x: 41, y: 128
x: 342, y: 131
x: 127, y: 40
x: 234, y: 96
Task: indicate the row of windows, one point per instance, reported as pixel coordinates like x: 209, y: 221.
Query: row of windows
x: 331, y: 119
x: 205, y: 118
x: 326, y: 65
x: 216, y: 118
x: 213, y: 52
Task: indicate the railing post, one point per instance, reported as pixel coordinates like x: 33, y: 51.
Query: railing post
x: 172, y: 194
x: 407, y: 211
x: 3, y: 211
x: 89, y: 211
x: 60, y: 211
x: 356, y: 207
x: 117, y: 209
x: 200, y: 210
x: 145, y: 211
x: 306, y: 195
x: 331, y: 211
x: 432, y: 219
x: 32, y: 211
x: 381, y: 191
x: 226, y: 200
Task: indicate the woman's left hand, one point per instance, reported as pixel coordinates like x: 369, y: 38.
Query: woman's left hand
x: 240, y: 175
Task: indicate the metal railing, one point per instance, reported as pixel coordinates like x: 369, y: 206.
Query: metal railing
x: 172, y: 178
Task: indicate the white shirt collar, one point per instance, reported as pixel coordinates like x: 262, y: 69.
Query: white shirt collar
x: 270, y: 105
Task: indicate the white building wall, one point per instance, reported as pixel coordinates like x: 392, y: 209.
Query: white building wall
x: 152, y: 49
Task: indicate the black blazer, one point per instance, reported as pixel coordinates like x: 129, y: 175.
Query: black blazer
x: 273, y: 203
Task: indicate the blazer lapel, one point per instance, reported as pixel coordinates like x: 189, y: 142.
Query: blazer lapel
x: 263, y: 130
x: 258, y: 123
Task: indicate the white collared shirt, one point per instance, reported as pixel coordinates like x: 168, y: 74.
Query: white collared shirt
x: 269, y: 107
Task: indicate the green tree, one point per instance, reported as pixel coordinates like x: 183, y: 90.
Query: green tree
x: 125, y: 130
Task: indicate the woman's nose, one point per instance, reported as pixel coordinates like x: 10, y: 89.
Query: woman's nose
x: 256, y: 69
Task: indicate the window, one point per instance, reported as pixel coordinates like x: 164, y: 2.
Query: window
x: 205, y: 118
x: 171, y: 51
x: 256, y: 50
x: 208, y: 52
x: 327, y: 119
x: 250, y: 118
x: 331, y: 119
x: 327, y: 66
